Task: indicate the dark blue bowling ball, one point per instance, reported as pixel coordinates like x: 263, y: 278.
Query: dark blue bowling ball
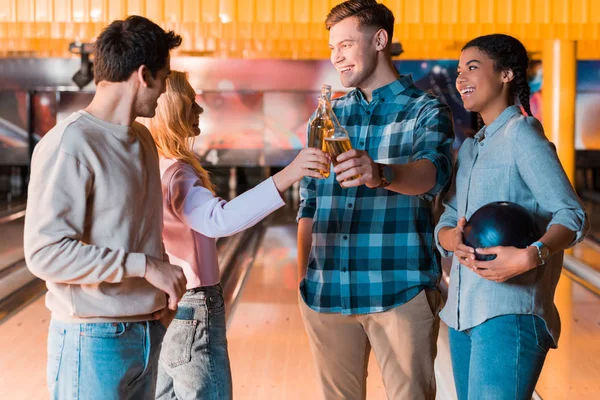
x: 500, y: 223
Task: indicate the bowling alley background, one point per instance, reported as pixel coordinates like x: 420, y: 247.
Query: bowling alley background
x: 256, y: 111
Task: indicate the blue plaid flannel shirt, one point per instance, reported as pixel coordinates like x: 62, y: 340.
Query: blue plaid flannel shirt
x: 373, y: 249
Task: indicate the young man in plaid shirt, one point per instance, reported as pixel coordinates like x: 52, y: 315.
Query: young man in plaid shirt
x: 366, y: 258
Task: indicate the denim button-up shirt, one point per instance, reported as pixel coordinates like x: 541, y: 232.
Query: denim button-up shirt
x: 514, y: 163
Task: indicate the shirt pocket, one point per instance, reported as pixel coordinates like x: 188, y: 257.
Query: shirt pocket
x: 488, y: 184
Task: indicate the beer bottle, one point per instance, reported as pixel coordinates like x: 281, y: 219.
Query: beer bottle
x: 320, y: 128
x: 338, y: 143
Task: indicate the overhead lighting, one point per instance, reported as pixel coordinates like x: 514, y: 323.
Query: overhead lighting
x: 85, y: 74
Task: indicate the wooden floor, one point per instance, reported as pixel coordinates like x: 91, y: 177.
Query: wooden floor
x: 23, y: 339
x: 588, y: 251
x: 269, y: 350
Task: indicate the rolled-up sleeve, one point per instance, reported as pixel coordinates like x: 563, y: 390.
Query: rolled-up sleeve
x: 308, y: 199
x: 540, y: 168
x: 433, y: 141
x: 449, y: 218
x: 308, y: 191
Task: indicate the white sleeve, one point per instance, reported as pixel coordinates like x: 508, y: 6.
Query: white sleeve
x: 199, y: 209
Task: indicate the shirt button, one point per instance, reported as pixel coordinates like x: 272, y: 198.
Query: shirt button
x: 345, y: 237
x: 362, y: 143
x: 350, y: 205
x: 368, y: 112
x: 344, y: 270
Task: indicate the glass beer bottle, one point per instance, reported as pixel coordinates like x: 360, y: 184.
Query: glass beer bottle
x: 321, y: 127
x: 338, y: 143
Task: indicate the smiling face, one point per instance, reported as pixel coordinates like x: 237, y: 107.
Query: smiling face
x: 480, y: 85
x: 353, y: 52
x: 194, y: 112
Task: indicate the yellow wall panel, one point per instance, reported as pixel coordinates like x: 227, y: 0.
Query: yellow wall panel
x: 43, y: 10
x: 265, y: 10
x: 191, y: 11
x: 594, y: 15
x: 579, y: 11
x: 245, y: 11
x: 301, y: 11
x: 541, y: 11
x: 173, y: 11
x: 319, y: 10
x: 561, y: 12
x: 485, y: 11
x: 25, y: 11
x: 8, y: 10
x: 432, y: 8
x: 136, y: 7
x: 249, y: 27
x: 523, y: 12
x: 504, y: 12
x: 227, y: 11
x: 115, y: 10
x: 410, y: 11
x: 79, y: 11
x: 449, y: 12
x: 210, y: 11
x: 283, y: 11
x: 155, y: 9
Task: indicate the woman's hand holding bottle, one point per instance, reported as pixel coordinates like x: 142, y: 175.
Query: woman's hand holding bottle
x: 307, y: 163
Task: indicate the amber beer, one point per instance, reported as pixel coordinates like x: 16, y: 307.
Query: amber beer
x: 336, y: 146
x: 320, y: 128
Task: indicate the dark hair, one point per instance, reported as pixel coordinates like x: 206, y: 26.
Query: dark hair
x: 125, y: 45
x: 368, y: 13
x: 507, y: 53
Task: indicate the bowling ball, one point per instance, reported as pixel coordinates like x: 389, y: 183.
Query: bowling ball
x: 500, y: 223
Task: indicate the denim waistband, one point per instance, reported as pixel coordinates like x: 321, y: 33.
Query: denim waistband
x: 210, y: 288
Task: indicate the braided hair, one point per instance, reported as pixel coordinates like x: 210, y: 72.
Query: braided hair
x: 507, y: 53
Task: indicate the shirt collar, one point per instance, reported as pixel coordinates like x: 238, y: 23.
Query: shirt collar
x: 390, y: 90
x: 498, y: 123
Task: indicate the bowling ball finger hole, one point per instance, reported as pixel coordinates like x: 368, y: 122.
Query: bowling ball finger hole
x: 484, y: 257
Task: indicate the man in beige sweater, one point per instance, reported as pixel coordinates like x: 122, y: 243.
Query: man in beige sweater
x: 94, y: 221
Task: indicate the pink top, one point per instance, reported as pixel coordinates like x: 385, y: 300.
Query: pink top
x: 194, y: 217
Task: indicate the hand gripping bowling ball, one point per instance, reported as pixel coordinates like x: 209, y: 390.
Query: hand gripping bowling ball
x: 500, y: 223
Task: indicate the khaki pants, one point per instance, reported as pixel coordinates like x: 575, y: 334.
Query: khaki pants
x: 403, y: 340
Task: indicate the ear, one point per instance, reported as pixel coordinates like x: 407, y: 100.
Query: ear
x: 143, y: 76
x: 381, y: 39
x: 507, y: 75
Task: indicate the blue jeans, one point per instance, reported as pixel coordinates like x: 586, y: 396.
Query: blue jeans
x: 194, y: 362
x: 103, y: 360
x: 500, y: 359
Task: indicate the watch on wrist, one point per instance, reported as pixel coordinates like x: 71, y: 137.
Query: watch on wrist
x: 543, y: 252
x: 386, y: 174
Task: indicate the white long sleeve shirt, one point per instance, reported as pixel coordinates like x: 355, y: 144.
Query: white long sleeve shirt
x: 194, y: 217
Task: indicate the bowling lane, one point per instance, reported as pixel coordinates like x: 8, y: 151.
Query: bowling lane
x: 269, y: 350
x: 588, y: 251
x: 11, y: 243
x: 573, y: 370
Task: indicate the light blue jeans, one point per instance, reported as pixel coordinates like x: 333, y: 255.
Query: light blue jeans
x: 500, y: 359
x: 194, y: 362
x: 103, y: 360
